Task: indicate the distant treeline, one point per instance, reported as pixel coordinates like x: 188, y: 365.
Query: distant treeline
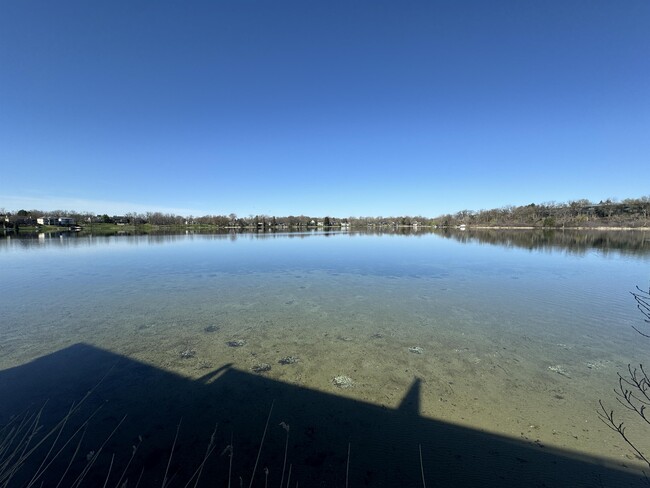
x: 631, y: 212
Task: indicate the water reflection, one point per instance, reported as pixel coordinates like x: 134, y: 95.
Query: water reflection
x: 571, y: 241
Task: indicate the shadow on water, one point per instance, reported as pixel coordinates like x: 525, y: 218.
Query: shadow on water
x: 383, y: 441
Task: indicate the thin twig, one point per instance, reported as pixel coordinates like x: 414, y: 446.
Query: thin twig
x: 11, y: 436
x: 133, y: 451
x: 139, y: 477
x: 171, y: 454
x: 92, y: 460
x: 259, y: 452
x: 347, y: 467
x: 208, y: 452
x: 26, y: 440
x: 56, y: 439
x: 607, y: 417
x: 5, y: 477
x: 83, y: 427
x: 286, y: 447
x: 232, y: 453
x: 110, y: 467
x: 424, y: 483
x: 72, y: 458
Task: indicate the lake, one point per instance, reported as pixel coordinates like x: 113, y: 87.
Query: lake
x: 507, y: 339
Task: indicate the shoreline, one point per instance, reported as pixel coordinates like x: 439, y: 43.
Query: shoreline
x: 111, y: 228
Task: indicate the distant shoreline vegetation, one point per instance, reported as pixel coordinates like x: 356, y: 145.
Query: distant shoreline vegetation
x: 629, y: 213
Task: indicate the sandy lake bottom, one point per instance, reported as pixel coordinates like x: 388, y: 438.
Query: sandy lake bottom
x: 504, y: 341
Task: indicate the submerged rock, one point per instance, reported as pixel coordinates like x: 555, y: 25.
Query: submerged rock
x: 188, y: 353
x: 288, y: 360
x: 236, y: 343
x: 343, y: 381
x: 559, y: 370
x: 211, y: 328
x: 261, y: 368
x: 416, y: 349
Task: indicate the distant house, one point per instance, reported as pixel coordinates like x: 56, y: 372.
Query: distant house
x: 61, y: 221
x: 120, y: 220
x: 18, y: 220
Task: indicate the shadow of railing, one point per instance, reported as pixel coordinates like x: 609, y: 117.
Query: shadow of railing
x: 384, y: 442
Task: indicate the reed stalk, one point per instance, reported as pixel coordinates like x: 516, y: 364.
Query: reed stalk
x: 259, y: 452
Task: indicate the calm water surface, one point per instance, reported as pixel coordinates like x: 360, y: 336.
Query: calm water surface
x: 519, y: 333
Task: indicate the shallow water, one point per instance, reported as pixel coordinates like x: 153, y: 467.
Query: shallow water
x: 519, y: 334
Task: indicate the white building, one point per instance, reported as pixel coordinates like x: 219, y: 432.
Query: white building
x: 62, y: 221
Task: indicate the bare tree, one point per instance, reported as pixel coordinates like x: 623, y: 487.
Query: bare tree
x: 633, y: 389
x: 642, y: 298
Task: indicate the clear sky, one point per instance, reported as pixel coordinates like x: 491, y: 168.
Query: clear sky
x: 322, y: 107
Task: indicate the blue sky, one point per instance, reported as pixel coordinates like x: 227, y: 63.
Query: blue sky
x: 322, y: 108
